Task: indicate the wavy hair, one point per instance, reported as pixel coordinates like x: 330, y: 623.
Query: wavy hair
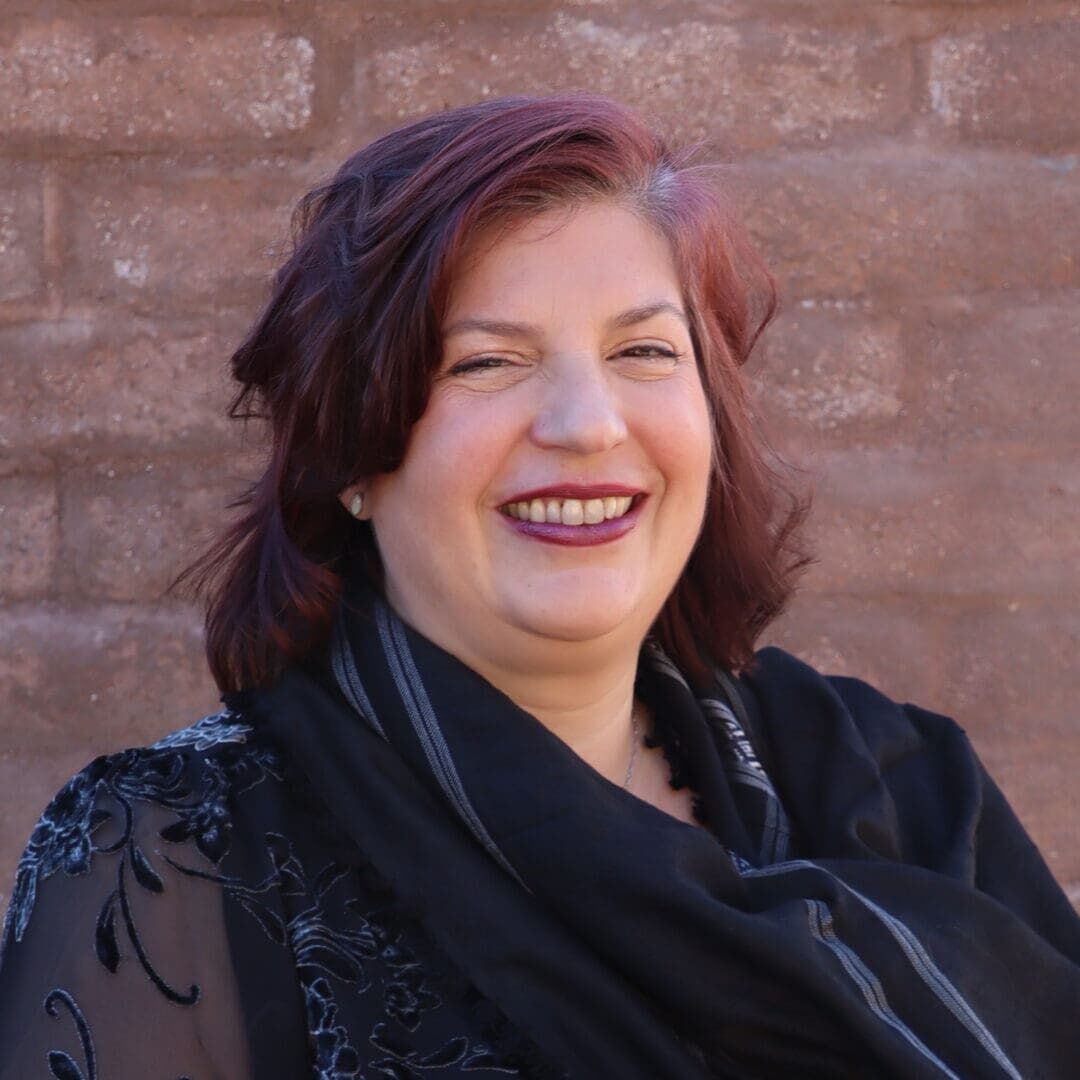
x: 340, y: 363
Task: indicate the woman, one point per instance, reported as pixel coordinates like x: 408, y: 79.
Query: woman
x: 500, y: 787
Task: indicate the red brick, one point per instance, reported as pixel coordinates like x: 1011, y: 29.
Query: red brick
x: 741, y: 85
x: 29, y: 537
x: 128, y: 530
x: 154, y: 79
x: 104, y: 677
x: 885, y: 522
x: 166, y: 240
x: 1013, y: 683
x: 1038, y: 775
x: 831, y: 371
x: 79, y: 386
x: 893, y: 644
x: 1014, y: 671
x: 902, y: 222
x: 1016, y: 85
x: 984, y: 371
x: 22, y: 232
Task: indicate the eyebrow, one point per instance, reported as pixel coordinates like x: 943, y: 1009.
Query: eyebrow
x: 630, y: 317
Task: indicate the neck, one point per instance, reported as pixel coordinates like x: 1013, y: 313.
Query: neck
x: 592, y: 716
x: 582, y: 692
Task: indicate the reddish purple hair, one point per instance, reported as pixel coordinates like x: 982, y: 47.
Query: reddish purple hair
x: 340, y: 365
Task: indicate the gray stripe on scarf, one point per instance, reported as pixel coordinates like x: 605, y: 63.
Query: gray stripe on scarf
x: 776, y: 833
x: 823, y: 931
x: 746, y: 769
x: 426, y: 725
x: 348, y: 677
x: 931, y: 975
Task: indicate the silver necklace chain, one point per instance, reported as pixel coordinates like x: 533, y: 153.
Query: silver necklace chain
x: 635, y: 733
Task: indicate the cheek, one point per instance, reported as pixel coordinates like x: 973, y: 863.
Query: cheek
x: 681, y: 434
x: 454, y: 451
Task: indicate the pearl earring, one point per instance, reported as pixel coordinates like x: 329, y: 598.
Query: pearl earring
x: 356, y: 506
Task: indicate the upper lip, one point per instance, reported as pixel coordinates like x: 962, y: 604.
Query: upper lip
x: 573, y: 491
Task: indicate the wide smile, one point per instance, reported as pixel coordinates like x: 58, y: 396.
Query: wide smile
x: 579, y: 517
x: 572, y: 512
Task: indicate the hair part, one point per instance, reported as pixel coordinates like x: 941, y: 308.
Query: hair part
x: 340, y: 362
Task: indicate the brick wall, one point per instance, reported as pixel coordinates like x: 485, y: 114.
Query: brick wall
x: 911, y: 168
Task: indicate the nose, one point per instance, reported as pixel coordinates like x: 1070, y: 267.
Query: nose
x: 581, y: 411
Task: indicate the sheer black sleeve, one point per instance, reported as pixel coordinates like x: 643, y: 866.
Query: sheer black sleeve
x: 116, y: 961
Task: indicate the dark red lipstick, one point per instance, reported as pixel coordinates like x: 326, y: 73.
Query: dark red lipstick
x: 584, y: 535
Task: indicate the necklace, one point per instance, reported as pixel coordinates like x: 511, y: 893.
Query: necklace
x: 635, y: 734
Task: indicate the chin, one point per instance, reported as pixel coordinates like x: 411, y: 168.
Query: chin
x: 567, y: 630
x: 578, y: 618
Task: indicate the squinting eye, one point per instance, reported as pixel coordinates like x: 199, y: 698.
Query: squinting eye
x: 651, y: 351
x: 478, y: 363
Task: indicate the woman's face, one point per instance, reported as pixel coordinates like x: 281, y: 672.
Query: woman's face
x: 556, y: 484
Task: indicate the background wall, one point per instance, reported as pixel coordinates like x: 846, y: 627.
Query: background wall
x: 911, y: 169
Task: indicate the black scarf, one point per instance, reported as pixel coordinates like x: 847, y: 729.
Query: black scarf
x: 861, y: 902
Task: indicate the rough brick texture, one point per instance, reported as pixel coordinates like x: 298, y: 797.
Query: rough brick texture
x: 77, y: 387
x: 888, y: 522
x: 126, y: 529
x: 835, y: 371
x: 158, y: 238
x: 900, y: 222
x: 105, y: 676
x: 1009, y: 85
x: 983, y: 371
x: 738, y: 84
x: 22, y: 229
x: 910, y: 168
x: 194, y: 80
x: 29, y: 532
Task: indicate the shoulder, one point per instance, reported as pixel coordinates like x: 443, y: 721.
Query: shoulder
x: 180, y: 789
x: 788, y: 692
x: 861, y: 773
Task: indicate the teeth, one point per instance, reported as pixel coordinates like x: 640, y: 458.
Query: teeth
x: 594, y: 511
x: 570, y: 511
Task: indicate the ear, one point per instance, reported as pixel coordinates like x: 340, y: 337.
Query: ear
x: 354, y: 499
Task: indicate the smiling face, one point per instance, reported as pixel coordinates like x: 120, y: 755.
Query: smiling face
x: 556, y: 484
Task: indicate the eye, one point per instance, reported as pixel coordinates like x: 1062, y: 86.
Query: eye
x: 658, y: 352
x: 479, y: 363
x: 648, y: 361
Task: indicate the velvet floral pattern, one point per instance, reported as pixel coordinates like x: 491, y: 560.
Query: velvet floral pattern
x: 354, y: 953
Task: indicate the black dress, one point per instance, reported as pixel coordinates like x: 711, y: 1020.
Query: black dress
x: 382, y: 868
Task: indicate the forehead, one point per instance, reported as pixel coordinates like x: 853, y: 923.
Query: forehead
x: 594, y: 255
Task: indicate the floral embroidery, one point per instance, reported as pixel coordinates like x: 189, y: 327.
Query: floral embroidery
x: 65, y: 837
x: 346, y: 936
x: 61, y: 840
x: 404, y: 1063
x: 62, y: 1065
x: 73, y: 829
x: 208, y: 732
x: 406, y: 997
x: 335, y: 1057
x: 206, y: 820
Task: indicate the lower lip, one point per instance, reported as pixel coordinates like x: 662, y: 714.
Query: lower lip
x: 603, y: 532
